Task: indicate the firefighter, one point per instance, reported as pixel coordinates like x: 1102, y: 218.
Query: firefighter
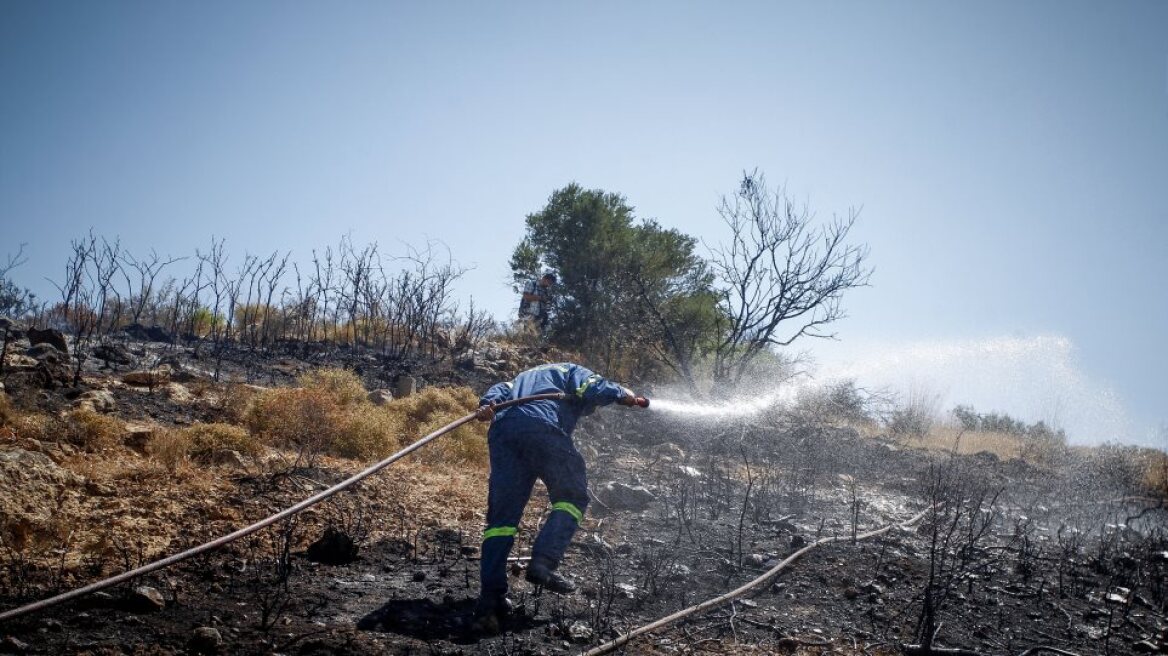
x: 529, y: 441
x: 536, y: 303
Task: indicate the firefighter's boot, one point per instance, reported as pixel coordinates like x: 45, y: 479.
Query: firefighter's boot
x: 543, y: 575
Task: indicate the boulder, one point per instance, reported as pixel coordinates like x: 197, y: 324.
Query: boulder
x: 148, y: 377
x: 113, y: 354
x: 50, y: 336
x: 46, y: 352
x: 229, y: 458
x: 335, y: 547
x: 619, y: 496
x: 178, y: 393
x: 99, y: 400
x: 579, y: 632
x: 19, y: 361
x: 145, y: 599
x: 30, y: 484
x: 380, y: 396
x: 137, y: 436
x: 205, y: 640
x: 406, y: 386
x: 148, y: 334
x: 13, y: 328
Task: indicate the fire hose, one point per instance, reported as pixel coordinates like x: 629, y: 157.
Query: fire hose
x: 284, y: 514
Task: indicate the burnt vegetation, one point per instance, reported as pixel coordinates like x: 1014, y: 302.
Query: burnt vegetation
x: 133, y: 425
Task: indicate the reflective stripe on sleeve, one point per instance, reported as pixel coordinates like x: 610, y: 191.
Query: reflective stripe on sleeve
x: 588, y: 383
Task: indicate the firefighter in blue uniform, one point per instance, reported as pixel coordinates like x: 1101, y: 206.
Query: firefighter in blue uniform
x: 529, y: 441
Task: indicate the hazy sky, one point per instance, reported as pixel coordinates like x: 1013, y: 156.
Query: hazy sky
x: 1011, y: 159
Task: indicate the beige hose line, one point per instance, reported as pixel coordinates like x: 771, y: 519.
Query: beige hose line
x: 740, y: 591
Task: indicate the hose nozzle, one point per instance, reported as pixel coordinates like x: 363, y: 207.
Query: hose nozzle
x: 641, y: 401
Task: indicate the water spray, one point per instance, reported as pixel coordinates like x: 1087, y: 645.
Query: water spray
x: 737, y: 406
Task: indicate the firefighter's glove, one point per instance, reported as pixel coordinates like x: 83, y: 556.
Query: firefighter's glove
x: 485, y: 412
x: 629, y: 399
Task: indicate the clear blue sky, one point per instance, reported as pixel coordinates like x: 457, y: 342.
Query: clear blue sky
x: 1011, y: 159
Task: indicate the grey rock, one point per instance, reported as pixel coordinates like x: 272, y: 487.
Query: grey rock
x: 798, y: 542
x: 145, y: 599
x: 205, y: 640
x: 229, y: 458
x: 380, y: 396
x: 334, y: 547
x: 627, y: 589
x: 46, y: 352
x: 406, y: 386
x: 29, y: 484
x: 96, y: 400
x: 579, y: 632
x: 148, y: 333
x: 113, y: 354
x: 619, y: 496
x: 11, y: 326
x: 48, y: 336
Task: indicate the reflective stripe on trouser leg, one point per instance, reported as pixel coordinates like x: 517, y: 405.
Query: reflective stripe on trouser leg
x: 569, y: 508
x: 497, y: 542
x: 510, y: 487
x: 563, y: 472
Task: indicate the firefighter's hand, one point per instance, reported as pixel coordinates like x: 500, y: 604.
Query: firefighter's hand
x: 629, y: 399
x: 485, y: 412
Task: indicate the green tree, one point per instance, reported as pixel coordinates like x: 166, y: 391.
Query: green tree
x: 631, y: 294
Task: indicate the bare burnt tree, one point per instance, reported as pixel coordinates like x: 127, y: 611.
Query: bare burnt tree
x: 962, y: 511
x: 147, y: 269
x: 14, y: 301
x: 358, y: 268
x: 212, y: 264
x: 781, y: 276
x: 469, y: 330
x: 110, y: 305
x: 321, y: 288
x: 79, y: 297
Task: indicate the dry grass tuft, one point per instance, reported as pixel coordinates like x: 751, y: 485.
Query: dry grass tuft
x: 88, y: 430
x: 433, y: 408
x: 295, y: 418
x: 368, y: 432
x: 171, y: 448
x: 237, y: 400
x: 341, y: 385
x: 1156, y: 473
x: 1005, y: 446
x: 208, y: 439
x: 331, y: 414
x: 7, y: 412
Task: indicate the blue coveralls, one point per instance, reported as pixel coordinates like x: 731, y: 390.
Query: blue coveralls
x: 534, y: 440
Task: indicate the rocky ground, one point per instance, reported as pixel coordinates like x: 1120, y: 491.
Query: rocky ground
x: 1066, y: 554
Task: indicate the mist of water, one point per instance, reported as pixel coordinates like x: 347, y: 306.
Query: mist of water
x: 1030, y: 378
